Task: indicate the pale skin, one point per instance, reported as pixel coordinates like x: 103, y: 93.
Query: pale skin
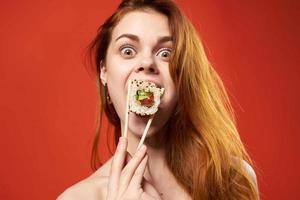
x: 140, y: 48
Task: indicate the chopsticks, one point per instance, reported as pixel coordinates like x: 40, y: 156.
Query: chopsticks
x: 127, y: 109
x: 145, y: 132
x: 125, y: 133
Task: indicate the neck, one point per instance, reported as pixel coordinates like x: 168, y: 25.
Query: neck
x: 157, y: 172
x: 155, y: 151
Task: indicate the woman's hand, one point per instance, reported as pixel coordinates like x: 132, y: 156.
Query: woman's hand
x: 126, y: 181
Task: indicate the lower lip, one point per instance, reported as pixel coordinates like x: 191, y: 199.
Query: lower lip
x: 142, y: 116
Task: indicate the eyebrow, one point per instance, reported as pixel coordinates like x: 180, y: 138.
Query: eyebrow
x: 136, y: 38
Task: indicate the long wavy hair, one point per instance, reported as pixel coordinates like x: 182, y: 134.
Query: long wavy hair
x: 203, y: 147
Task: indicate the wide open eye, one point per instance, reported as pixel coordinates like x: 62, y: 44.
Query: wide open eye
x: 165, y: 53
x: 127, y: 51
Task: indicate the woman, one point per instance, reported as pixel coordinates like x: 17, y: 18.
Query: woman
x: 192, y: 150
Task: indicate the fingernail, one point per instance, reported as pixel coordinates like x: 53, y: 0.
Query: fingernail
x: 121, y: 140
x: 142, y: 148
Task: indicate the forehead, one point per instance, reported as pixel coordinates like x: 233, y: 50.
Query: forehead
x: 145, y: 24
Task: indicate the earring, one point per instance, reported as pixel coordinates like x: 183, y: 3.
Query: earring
x: 107, y: 97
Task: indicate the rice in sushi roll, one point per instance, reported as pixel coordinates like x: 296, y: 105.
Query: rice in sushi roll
x: 144, y: 97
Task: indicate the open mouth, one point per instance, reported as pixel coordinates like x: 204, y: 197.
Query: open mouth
x: 144, y: 96
x: 140, y: 81
x: 143, y: 100
x: 158, y: 85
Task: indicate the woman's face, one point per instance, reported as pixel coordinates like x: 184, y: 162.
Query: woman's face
x: 140, y: 48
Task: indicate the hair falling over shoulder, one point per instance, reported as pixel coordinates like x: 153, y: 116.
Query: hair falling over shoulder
x: 203, y: 131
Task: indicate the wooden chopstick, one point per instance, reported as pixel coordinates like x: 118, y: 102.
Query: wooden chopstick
x: 145, y: 132
x: 127, y: 109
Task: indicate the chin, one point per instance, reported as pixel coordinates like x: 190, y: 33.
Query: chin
x: 137, y: 125
x: 138, y: 131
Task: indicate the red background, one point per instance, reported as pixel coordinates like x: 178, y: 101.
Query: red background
x: 48, y: 100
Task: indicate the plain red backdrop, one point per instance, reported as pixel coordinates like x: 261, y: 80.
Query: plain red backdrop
x: 48, y: 100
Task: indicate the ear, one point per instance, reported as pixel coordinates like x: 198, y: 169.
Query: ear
x: 103, y: 73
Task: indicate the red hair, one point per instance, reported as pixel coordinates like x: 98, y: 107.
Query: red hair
x: 202, y: 133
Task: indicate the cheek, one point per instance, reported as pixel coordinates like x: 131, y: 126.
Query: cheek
x: 118, y: 69
x: 169, y: 101
x: 170, y: 96
x: 115, y: 83
x: 117, y: 75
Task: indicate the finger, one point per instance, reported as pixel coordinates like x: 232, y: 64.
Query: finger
x: 116, y: 167
x: 137, y: 178
x: 130, y: 168
x: 150, y: 189
x: 128, y: 157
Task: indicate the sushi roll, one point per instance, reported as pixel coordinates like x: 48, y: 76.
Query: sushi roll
x: 144, y: 97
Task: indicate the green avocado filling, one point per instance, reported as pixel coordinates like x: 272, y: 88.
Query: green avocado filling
x: 143, y: 94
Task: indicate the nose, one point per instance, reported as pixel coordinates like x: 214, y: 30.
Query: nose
x: 147, y: 65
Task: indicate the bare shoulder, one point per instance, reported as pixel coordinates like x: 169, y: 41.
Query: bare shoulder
x: 246, y: 166
x: 249, y: 169
x: 93, y: 187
